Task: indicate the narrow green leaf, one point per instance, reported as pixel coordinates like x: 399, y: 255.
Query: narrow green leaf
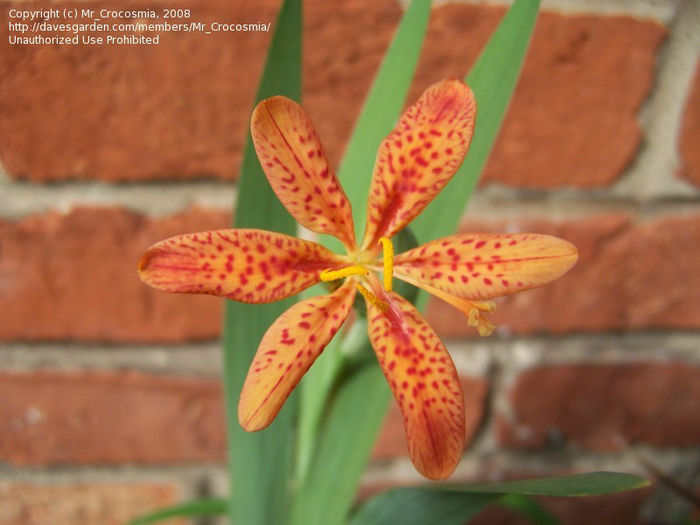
x: 261, y: 463
x: 313, y: 398
x: 193, y: 509
x: 493, y: 78
x: 316, y: 496
x: 347, y: 435
x: 529, y: 508
x: 589, y: 484
x: 413, y: 506
x: 453, y: 505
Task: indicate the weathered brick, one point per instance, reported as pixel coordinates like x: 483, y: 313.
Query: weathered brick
x: 145, y: 113
x: 73, y: 277
x: 626, y: 278
x: 177, y: 110
x: 392, y: 439
x: 600, y: 406
x: 572, y: 121
x: 49, y: 418
x: 82, y: 503
x: 690, y: 133
x: 91, y: 417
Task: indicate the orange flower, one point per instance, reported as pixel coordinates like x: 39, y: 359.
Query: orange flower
x: 414, y: 163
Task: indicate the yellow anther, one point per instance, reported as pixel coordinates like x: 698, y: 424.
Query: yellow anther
x: 388, y: 256
x: 373, y: 299
x: 479, y: 321
x: 332, y: 275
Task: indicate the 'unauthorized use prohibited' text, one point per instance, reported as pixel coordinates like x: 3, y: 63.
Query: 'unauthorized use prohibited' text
x: 85, y: 26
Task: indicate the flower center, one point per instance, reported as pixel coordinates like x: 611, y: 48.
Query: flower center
x: 360, y: 269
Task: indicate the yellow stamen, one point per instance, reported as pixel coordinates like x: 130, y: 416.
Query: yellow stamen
x: 332, y: 275
x: 373, y: 299
x: 388, y: 256
x: 479, y: 321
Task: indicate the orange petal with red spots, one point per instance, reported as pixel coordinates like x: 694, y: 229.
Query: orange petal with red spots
x: 252, y: 266
x: 419, y: 157
x: 288, y: 349
x: 424, y: 382
x: 295, y: 163
x: 486, y: 265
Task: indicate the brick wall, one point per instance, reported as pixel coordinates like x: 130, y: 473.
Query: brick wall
x: 110, y: 402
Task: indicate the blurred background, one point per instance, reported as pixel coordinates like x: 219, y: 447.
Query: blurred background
x: 110, y: 403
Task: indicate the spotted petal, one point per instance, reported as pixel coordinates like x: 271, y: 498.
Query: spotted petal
x: 296, y: 165
x: 252, y: 266
x: 288, y: 349
x: 485, y: 265
x: 424, y: 382
x: 419, y: 157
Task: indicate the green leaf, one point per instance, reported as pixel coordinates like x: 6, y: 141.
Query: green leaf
x: 317, y: 498
x: 453, y: 505
x: 313, y: 398
x: 347, y: 436
x: 529, y: 508
x: 261, y: 463
x: 421, y: 507
x: 589, y: 484
x: 193, y: 509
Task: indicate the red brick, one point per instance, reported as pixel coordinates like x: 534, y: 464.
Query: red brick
x: 82, y: 503
x: 145, y: 113
x: 51, y: 418
x: 392, y: 439
x: 573, y: 118
x: 89, y: 417
x: 73, y: 277
x: 626, y: 278
x: 690, y: 133
x: 178, y: 110
x: 593, y: 406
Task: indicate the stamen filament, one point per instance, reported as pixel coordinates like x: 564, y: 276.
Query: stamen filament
x: 388, y: 258
x: 333, y: 275
x: 373, y: 299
